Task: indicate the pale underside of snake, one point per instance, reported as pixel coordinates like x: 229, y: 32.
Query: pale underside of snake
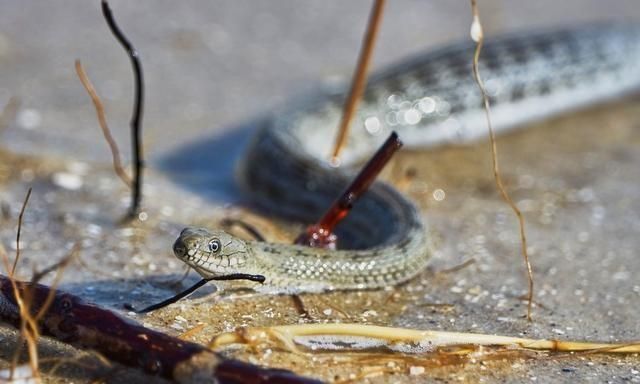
x: 429, y: 100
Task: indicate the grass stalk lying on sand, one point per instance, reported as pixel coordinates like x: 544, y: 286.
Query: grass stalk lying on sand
x: 287, y: 334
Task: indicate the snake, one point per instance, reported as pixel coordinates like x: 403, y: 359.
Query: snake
x: 429, y: 100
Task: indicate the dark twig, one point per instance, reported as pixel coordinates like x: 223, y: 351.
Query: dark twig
x: 168, y: 301
x: 298, y: 304
x: 228, y: 223
x: 321, y: 234
x: 236, y: 276
x: 138, y: 103
x: 458, y: 267
x: 239, y: 276
x: 73, y: 321
x: 19, y: 231
x: 359, y: 79
x: 57, y: 266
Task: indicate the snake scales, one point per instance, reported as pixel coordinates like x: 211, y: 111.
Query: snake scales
x: 429, y: 100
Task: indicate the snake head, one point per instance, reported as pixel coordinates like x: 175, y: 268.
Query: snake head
x: 211, y: 253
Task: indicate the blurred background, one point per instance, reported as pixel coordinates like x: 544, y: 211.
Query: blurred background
x: 211, y: 66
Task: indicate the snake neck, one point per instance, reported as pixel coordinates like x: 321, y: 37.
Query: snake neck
x: 295, y: 269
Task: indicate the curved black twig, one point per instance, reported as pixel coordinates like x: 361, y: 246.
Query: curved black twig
x: 236, y: 276
x: 136, y: 117
x: 239, y: 276
x: 253, y: 231
x: 168, y: 301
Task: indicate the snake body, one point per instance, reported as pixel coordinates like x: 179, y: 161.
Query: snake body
x: 430, y: 100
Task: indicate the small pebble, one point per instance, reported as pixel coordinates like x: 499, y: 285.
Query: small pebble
x: 416, y: 370
x: 167, y: 211
x: 93, y: 229
x: 68, y: 181
x: 370, y: 313
x: 177, y: 327
x: 78, y: 167
x: 456, y: 289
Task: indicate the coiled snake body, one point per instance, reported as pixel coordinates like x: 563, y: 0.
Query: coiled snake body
x: 429, y: 101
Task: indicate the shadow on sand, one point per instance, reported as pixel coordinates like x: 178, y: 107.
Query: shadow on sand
x: 140, y: 292
x: 206, y: 166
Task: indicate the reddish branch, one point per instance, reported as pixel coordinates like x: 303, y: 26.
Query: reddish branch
x: 321, y: 234
x: 71, y: 320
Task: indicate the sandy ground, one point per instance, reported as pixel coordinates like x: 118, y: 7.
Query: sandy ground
x: 212, y: 70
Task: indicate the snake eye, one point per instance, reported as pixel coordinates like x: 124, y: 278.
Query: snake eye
x: 214, y: 245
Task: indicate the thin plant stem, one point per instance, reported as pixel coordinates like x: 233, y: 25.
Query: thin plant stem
x: 115, y: 152
x: 59, y: 267
x: 359, y: 79
x: 19, y: 232
x: 136, y: 117
x: 28, y: 325
x: 477, y: 35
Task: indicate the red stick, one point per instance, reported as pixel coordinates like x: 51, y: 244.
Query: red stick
x: 320, y: 235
